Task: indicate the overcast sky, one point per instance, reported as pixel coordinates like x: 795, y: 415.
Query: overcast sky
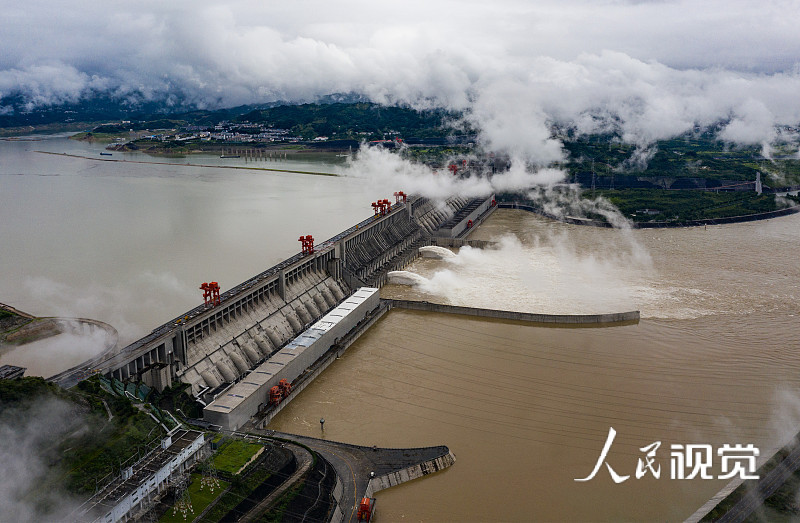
x: 654, y: 68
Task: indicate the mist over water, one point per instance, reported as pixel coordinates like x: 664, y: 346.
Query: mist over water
x: 50, y: 356
x: 539, y: 272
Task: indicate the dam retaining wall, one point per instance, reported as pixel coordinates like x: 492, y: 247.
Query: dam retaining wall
x: 559, y: 319
x: 323, y: 363
x: 413, y: 472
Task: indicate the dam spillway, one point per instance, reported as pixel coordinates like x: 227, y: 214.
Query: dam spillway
x: 211, y: 347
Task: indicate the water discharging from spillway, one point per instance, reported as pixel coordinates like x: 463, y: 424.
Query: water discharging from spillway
x: 527, y: 409
x: 436, y: 252
x: 543, y: 274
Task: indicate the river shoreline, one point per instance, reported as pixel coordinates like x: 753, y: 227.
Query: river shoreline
x: 658, y: 225
x: 188, y: 164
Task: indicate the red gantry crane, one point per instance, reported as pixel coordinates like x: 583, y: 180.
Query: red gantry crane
x: 210, y: 293
x: 308, y: 244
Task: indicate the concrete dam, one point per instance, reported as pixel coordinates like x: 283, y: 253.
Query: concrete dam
x: 213, y: 346
x: 247, y: 352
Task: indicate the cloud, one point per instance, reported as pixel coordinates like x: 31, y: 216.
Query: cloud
x: 29, y: 450
x: 384, y: 169
x: 649, y: 70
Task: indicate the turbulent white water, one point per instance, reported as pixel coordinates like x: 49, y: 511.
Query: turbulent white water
x: 544, y: 277
x: 552, y: 268
x: 406, y: 278
x: 434, y: 251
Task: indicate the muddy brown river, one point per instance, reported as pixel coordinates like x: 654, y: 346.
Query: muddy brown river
x: 527, y: 409
x: 715, y: 358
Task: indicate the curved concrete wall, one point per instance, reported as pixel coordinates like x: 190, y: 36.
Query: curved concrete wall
x: 274, y: 338
x: 410, y: 473
x: 312, y: 309
x: 211, y: 380
x: 564, y: 319
x: 239, y: 362
x: 303, y: 314
x: 294, y: 321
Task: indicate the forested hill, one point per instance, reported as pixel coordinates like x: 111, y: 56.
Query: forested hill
x: 335, y: 120
x: 341, y: 120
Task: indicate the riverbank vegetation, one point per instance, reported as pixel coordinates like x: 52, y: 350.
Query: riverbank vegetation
x: 657, y: 205
x: 10, y: 322
x: 690, y: 161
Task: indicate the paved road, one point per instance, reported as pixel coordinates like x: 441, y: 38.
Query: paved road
x: 354, y: 463
x: 304, y: 460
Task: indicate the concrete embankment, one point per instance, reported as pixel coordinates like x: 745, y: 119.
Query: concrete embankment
x: 391, y: 479
x: 553, y: 319
x: 324, y: 362
x: 741, y: 499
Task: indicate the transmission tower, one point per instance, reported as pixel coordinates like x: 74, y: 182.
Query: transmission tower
x: 183, y: 503
x: 210, y: 478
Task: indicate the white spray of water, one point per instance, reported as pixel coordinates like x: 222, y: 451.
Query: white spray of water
x: 406, y: 278
x: 550, y: 276
x: 434, y: 251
